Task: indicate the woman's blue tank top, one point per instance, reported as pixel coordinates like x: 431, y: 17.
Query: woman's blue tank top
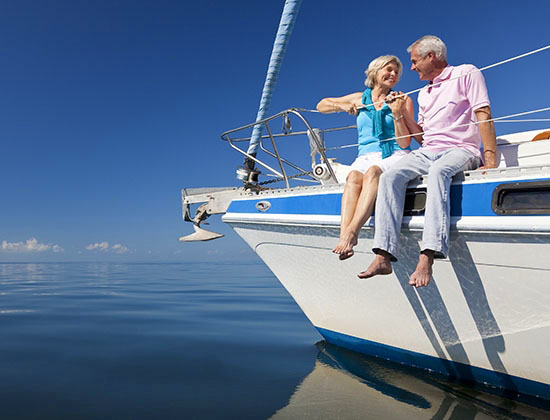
x: 367, y: 142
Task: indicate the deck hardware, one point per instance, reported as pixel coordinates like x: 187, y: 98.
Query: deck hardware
x: 263, y: 206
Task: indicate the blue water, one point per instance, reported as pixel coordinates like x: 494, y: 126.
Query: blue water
x: 195, y: 341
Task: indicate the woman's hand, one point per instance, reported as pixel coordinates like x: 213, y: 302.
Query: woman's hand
x: 396, y: 101
x: 403, y: 119
x: 349, y: 108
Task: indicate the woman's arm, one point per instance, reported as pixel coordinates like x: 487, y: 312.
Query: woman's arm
x: 348, y: 103
x: 402, y: 109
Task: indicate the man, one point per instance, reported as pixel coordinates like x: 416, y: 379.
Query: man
x: 455, y: 97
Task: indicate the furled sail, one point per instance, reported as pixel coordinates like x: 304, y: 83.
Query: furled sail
x: 286, y: 25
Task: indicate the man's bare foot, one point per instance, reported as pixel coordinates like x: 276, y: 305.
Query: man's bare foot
x: 381, y: 265
x: 345, y: 246
x: 423, y: 273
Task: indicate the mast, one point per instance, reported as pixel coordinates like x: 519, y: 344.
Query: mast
x: 286, y: 25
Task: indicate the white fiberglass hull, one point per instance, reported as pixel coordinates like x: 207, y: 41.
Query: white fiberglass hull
x: 484, y: 317
x: 485, y: 320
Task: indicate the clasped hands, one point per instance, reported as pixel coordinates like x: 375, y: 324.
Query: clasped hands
x: 395, y: 101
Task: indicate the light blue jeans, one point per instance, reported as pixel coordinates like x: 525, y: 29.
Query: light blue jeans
x: 440, y: 168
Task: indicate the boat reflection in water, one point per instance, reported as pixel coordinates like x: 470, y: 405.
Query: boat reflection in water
x: 345, y: 384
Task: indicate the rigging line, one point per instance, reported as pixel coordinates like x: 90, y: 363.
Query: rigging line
x: 442, y: 130
x: 508, y: 60
x: 529, y: 120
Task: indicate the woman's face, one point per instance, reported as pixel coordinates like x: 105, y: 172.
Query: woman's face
x: 387, y: 75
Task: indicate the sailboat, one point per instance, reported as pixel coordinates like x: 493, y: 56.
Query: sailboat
x: 485, y: 317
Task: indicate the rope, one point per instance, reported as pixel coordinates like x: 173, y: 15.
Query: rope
x: 278, y: 179
x: 517, y: 57
x: 523, y: 121
x: 508, y: 60
x: 441, y: 130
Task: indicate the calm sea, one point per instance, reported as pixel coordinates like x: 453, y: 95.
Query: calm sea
x: 196, y: 341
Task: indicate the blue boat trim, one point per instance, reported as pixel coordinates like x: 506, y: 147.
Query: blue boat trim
x: 457, y: 370
x: 465, y: 201
x: 303, y: 204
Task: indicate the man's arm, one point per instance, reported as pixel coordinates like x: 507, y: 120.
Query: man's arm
x: 488, y: 137
x: 413, y: 127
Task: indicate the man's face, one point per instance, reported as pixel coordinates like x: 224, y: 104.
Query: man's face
x: 423, y: 66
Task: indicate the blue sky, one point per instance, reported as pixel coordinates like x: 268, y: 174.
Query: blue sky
x: 109, y: 108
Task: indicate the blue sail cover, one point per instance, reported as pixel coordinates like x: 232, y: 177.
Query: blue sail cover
x: 286, y: 25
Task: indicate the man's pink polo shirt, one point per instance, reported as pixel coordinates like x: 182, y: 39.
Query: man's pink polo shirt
x: 444, y: 107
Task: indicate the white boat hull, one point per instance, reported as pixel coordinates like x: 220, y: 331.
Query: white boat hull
x: 478, y: 311
x: 485, y: 316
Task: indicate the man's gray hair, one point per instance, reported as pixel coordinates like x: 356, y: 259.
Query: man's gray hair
x: 429, y: 43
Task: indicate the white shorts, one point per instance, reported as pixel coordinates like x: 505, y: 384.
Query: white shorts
x: 366, y: 160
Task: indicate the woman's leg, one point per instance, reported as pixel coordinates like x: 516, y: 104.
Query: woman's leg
x: 352, y: 191
x: 363, y: 210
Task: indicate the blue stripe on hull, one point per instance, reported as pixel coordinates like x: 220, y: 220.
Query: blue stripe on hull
x: 466, y: 200
x: 300, y: 204
x: 457, y: 370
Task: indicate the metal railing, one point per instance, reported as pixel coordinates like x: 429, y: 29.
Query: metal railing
x: 283, y: 164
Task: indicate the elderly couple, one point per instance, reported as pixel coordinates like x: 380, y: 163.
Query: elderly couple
x: 455, y: 97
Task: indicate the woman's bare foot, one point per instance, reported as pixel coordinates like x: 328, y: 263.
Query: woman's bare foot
x: 345, y: 246
x: 423, y: 273
x: 346, y: 254
x: 381, y: 265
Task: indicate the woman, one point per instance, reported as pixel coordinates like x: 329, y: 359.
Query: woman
x: 380, y: 116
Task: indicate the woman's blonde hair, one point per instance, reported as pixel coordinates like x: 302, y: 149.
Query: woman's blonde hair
x: 379, y: 63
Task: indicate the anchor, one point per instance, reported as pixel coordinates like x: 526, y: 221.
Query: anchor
x: 201, y: 214
x: 212, y: 201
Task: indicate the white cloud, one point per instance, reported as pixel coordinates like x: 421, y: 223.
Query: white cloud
x: 30, y: 245
x: 119, y: 249
x: 104, y: 247
x: 57, y: 248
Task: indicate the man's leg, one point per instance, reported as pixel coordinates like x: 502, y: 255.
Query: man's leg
x: 388, y: 213
x: 435, y: 237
